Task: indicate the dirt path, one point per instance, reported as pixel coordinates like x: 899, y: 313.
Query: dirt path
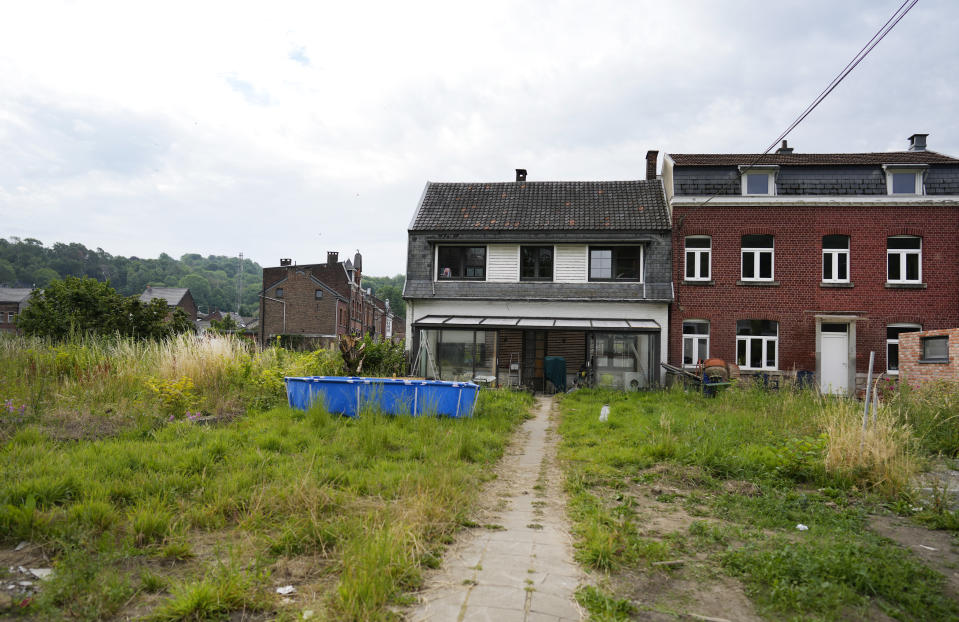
x: 517, y: 565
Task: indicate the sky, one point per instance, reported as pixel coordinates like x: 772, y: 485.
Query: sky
x: 290, y: 129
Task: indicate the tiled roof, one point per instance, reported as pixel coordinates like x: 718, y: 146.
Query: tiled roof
x: 812, y: 159
x: 543, y: 205
x: 14, y: 294
x: 172, y: 295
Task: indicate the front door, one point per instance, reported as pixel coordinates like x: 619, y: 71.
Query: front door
x: 534, y: 349
x: 835, y: 359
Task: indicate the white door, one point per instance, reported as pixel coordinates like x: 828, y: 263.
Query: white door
x: 835, y: 361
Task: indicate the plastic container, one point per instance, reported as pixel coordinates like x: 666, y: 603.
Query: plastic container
x: 395, y: 396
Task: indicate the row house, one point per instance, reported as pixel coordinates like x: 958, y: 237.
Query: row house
x: 501, y: 276
x: 804, y: 262
x: 320, y: 302
x: 174, y: 297
x: 13, y: 300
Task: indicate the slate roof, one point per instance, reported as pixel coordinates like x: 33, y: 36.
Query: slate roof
x: 812, y: 159
x: 543, y: 205
x: 14, y: 294
x: 172, y: 295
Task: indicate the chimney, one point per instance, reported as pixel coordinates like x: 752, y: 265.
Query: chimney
x: 358, y: 260
x: 332, y: 258
x: 651, y: 156
x: 149, y: 289
x: 784, y: 149
x: 917, y: 142
x: 286, y: 261
x: 521, y: 174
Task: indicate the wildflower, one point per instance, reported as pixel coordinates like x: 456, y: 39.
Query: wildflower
x: 171, y: 417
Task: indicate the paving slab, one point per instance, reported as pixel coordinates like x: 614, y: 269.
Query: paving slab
x: 523, y: 571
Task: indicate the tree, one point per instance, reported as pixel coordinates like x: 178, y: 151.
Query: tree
x: 8, y: 276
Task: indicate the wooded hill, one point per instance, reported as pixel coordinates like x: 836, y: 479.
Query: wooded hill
x: 211, y: 279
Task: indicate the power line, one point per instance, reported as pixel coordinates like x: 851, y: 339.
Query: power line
x: 896, y: 17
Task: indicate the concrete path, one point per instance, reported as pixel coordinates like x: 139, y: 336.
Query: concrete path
x: 518, y: 564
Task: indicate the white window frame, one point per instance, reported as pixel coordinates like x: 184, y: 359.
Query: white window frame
x: 766, y: 339
x: 770, y: 171
x: 895, y: 342
x: 694, y: 340
x: 756, y: 252
x: 832, y: 255
x: 919, y: 188
x: 903, y: 253
x: 697, y: 259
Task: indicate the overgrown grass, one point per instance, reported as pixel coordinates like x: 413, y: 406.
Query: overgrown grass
x: 129, y: 517
x: 750, y: 465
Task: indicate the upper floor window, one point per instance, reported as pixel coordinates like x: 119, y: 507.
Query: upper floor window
x: 698, y: 250
x: 616, y: 263
x: 11, y: 316
x: 757, y: 256
x: 536, y: 263
x: 892, y: 344
x: 695, y: 342
x: 279, y: 292
x: 904, y: 259
x: 759, y: 181
x: 318, y: 294
x: 756, y: 344
x: 903, y: 180
x: 461, y: 263
x: 835, y: 259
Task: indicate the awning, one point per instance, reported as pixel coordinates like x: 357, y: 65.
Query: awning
x: 565, y: 323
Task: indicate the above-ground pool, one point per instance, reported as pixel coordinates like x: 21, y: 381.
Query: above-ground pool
x: 395, y: 396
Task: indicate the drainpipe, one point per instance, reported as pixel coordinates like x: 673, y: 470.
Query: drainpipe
x: 282, y: 302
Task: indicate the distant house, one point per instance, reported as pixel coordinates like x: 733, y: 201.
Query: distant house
x: 12, y: 302
x: 174, y: 297
x: 501, y: 276
x: 321, y: 301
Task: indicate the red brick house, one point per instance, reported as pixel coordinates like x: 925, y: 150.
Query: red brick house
x: 320, y: 302
x: 12, y: 302
x: 174, y: 297
x: 797, y: 262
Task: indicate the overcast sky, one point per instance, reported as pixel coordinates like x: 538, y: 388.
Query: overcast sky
x: 286, y: 130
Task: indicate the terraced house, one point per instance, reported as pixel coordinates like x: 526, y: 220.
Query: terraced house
x: 502, y: 276
x: 807, y: 262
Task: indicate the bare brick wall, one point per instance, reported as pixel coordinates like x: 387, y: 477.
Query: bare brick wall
x: 188, y: 306
x: 799, y: 296
x: 304, y: 314
x: 6, y: 308
x: 916, y: 372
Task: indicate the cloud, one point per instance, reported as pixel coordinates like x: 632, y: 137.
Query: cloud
x: 298, y: 55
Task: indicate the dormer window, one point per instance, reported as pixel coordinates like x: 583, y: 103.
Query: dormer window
x: 461, y: 263
x: 904, y: 180
x: 759, y: 180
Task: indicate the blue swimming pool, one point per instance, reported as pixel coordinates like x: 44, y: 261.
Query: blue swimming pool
x: 397, y: 396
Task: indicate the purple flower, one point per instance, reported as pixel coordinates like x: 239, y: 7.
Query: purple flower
x: 171, y: 417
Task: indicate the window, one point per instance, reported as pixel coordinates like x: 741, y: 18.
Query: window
x: 698, y: 250
x: 536, y: 263
x: 695, y: 342
x: 903, y: 180
x: 904, y: 259
x: 318, y: 294
x: 279, y: 292
x: 835, y: 259
x: 756, y: 344
x: 892, y: 344
x: 616, y: 263
x: 10, y: 317
x: 757, y: 253
x: 461, y: 263
x: 935, y: 349
x: 759, y: 181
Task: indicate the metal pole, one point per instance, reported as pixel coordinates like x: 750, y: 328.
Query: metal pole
x: 865, y: 406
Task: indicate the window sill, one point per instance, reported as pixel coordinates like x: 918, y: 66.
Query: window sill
x: 905, y: 285
x: 702, y: 283
x: 837, y: 285
x: 758, y: 283
x: 933, y: 361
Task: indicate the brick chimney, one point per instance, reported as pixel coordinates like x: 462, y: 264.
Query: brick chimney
x: 917, y: 142
x: 651, y: 164
x: 784, y: 149
x: 521, y: 174
x: 332, y: 258
x: 286, y: 261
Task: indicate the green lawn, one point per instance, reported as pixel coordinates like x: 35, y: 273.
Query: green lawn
x: 677, y: 492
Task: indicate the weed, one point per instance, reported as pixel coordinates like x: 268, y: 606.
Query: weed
x: 602, y: 607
